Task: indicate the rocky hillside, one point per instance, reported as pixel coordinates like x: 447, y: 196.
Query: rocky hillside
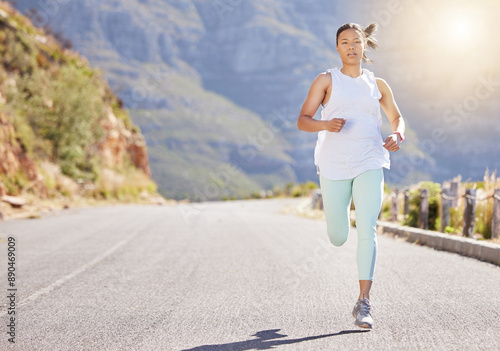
x: 214, y: 84
x: 62, y: 130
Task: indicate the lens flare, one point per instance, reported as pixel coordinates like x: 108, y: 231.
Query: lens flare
x: 461, y: 30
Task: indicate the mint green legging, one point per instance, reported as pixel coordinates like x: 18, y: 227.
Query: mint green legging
x: 366, y: 190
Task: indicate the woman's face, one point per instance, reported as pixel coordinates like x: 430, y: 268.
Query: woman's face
x: 351, y: 45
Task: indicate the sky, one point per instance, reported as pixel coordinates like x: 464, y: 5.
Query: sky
x: 441, y: 59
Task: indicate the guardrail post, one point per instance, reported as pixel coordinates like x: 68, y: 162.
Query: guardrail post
x: 469, y: 212
x: 317, y: 199
x: 495, y: 225
x: 445, y: 208
x: 394, y: 205
x: 423, y: 218
x: 407, y: 203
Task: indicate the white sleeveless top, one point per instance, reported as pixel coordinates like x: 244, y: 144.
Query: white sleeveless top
x: 358, y: 147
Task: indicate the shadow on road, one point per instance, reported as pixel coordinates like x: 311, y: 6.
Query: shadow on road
x: 266, y: 340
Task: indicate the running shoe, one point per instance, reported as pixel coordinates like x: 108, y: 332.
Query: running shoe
x: 362, y: 314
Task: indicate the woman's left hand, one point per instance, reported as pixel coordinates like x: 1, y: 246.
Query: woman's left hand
x: 393, y: 142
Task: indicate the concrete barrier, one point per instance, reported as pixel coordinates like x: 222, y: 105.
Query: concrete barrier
x: 485, y: 251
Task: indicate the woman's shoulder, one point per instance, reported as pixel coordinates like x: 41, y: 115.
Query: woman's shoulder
x: 370, y: 73
x: 324, y: 78
x: 328, y: 73
x: 382, y: 85
x: 380, y: 80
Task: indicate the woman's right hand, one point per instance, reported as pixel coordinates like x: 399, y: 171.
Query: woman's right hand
x: 335, y: 125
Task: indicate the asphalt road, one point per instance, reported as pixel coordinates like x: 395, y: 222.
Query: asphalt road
x: 232, y: 276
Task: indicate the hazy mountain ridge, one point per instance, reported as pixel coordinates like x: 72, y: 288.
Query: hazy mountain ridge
x: 260, y: 55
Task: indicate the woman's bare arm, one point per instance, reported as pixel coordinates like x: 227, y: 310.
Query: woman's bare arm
x: 388, y: 104
x: 317, y: 93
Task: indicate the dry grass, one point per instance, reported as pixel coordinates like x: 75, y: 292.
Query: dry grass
x: 484, y: 209
x: 127, y: 184
x: 56, y: 181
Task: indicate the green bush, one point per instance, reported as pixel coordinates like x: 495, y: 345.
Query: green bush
x: 484, y: 217
x: 15, y: 183
x: 456, y: 218
x: 16, y: 52
x: 297, y: 191
x: 24, y: 135
x: 434, y: 196
x: 55, y: 101
x: 451, y: 230
x: 386, y: 210
x: 311, y: 186
x: 64, y: 111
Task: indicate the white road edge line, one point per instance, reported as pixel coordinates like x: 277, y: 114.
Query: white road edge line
x: 64, y: 279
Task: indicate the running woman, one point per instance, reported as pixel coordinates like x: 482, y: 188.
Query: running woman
x: 350, y: 152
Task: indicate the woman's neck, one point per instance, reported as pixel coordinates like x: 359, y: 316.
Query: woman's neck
x: 352, y: 70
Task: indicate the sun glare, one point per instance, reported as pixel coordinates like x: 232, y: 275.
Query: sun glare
x: 460, y: 29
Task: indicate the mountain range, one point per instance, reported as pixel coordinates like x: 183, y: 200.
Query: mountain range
x: 216, y: 86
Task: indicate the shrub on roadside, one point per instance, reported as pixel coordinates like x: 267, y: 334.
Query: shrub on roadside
x: 434, y: 196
